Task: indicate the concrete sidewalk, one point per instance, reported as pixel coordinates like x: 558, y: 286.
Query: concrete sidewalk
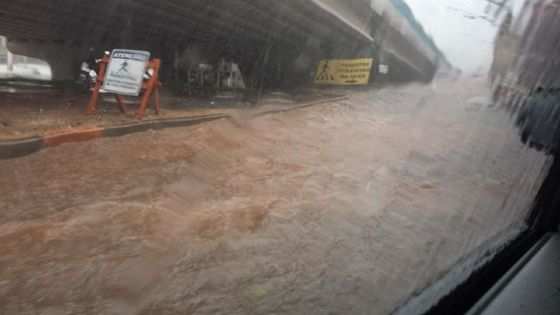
x: 88, y: 127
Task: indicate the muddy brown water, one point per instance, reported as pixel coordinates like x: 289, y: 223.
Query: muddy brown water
x: 342, y: 208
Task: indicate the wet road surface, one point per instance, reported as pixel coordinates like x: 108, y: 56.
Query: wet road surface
x: 343, y: 208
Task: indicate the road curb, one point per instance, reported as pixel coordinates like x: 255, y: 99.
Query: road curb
x: 20, y: 147
x: 10, y: 149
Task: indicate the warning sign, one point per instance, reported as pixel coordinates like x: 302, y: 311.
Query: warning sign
x: 125, y: 72
x: 344, y: 71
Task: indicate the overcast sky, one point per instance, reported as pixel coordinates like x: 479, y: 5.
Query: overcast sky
x: 467, y: 42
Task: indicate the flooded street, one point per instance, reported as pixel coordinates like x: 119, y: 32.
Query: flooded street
x: 342, y: 208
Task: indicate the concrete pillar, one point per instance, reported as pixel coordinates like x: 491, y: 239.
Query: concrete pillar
x: 9, y: 61
x: 9, y: 55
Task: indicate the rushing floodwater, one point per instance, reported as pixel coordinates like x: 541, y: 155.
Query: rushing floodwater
x: 345, y: 208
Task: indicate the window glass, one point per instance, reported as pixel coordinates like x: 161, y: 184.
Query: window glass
x: 267, y: 157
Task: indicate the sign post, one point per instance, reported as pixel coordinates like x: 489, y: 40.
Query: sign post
x: 124, y: 74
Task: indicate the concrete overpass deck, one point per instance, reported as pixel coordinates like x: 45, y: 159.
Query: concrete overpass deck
x: 287, y: 21
x: 61, y: 31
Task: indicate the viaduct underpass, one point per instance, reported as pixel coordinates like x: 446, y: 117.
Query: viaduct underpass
x: 285, y: 38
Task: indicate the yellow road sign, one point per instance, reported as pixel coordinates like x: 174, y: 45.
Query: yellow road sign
x: 344, y: 71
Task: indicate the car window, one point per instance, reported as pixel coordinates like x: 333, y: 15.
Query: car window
x: 267, y: 157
